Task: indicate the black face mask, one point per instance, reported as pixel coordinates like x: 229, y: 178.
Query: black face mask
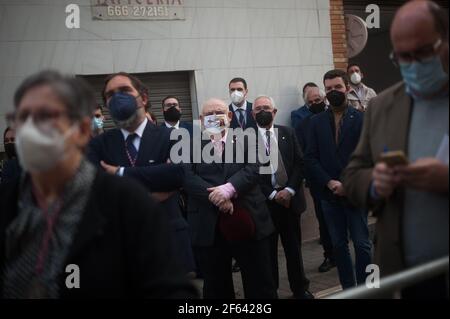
x: 317, y: 107
x: 172, y: 115
x: 264, y: 118
x: 10, y: 150
x: 336, y: 99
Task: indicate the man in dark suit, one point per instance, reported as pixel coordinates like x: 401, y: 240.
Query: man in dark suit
x: 333, y: 137
x: 172, y: 114
x: 139, y: 149
x: 283, y: 190
x: 240, y: 107
x: 227, y: 211
x: 315, y: 99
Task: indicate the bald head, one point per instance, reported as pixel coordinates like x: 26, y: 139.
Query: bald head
x: 416, y: 23
x: 214, y: 106
x: 420, y: 24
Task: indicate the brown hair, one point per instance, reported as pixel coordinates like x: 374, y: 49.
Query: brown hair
x: 137, y: 84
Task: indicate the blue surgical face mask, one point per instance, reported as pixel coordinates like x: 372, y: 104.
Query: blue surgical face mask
x: 97, y: 123
x: 424, y: 78
x: 122, y: 107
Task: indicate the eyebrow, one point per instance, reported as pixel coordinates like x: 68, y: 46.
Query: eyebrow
x: 120, y: 88
x: 217, y: 112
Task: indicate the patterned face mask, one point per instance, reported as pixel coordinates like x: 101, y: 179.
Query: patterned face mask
x: 216, y: 123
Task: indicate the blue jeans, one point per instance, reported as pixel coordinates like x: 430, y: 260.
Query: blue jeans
x: 340, y: 220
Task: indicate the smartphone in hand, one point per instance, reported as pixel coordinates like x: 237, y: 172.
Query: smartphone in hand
x: 394, y: 158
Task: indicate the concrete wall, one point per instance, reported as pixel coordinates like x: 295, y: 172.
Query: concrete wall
x: 277, y: 45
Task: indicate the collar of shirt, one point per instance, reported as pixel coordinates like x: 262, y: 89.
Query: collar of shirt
x: 359, y: 90
x: 223, y: 139
x: 139, y: 131
x: 177, y: 126
x: 263, y: 131
x: 243, y: 107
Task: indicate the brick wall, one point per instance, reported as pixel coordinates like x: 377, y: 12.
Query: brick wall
x: 338, y: 35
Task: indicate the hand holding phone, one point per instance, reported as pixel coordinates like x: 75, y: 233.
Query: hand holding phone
x: 394, y: 158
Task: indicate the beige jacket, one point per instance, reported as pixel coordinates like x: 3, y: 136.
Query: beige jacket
x: 386, y: 125
x: 360, y: 103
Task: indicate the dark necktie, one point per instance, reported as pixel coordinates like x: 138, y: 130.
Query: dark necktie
x: 268, y: 143
x: 131, y: 149
x: 280, y: 174
x: 241, y: 118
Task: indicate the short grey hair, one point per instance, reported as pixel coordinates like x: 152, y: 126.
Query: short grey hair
x: 321, y: 93
x: 76, y: 95
x: 272, y: 101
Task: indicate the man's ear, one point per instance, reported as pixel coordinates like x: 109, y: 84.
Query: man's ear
x: 274, y: 112
x: 144, y: 98
x: 84, y: 133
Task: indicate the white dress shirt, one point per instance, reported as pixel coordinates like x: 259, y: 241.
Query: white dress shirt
x: 243, y: 107
x: 263, y: 131
x: 176, y: 126
x: 137, y: 141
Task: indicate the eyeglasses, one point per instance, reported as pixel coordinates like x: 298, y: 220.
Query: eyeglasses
x: 42, y: 116
x: 419, y: 55
x: 9, y: 140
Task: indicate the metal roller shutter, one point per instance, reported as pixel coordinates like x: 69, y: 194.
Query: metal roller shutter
x: 159, y: 85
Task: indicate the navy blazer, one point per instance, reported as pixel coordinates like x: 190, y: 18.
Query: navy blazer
x: 302, y: 131
x: 186, y: 125
x: 151, y: 168
x: 11, y: 170
x: 298, y: 115
x: 250, y: 121
x: 324, y: 159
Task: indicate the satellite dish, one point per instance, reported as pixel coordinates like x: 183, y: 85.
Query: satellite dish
x: 357, y: 34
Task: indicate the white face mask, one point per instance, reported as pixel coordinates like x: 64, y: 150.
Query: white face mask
x: 237, y: 97
x: 356, y: 78
x: 40, y: 148
x: 216, y: 123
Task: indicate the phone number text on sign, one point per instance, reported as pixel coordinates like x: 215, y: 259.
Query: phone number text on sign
x: 149, y: 11
x: 126, y: 11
